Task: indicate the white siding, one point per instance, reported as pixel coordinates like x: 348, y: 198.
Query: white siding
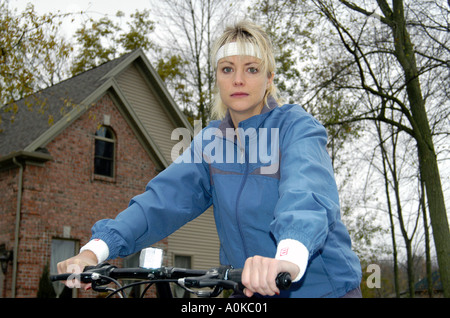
x: 148, y: 109
x: 197, y: 239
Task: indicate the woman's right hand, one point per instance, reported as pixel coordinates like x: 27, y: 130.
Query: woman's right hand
x: 75, y: 265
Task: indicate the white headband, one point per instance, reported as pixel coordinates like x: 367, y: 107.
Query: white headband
x: 233, y: 48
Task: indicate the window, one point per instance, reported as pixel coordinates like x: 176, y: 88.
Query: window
x: 104, y: 152
x: 133, y: 261
x: 61, y: 250
x: 183, y: 262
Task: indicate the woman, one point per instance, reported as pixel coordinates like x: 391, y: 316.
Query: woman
x: 265, y: 169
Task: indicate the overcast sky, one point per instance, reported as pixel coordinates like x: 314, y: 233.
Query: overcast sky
x: 99, y: 6
x: 94, y: 8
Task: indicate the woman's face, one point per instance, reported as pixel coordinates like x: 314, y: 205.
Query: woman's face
x: 242, y: 85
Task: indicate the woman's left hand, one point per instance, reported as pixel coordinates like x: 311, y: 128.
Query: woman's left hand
x: 259, y: 275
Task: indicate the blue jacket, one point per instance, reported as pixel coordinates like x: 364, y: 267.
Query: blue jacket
x: 262, y: 192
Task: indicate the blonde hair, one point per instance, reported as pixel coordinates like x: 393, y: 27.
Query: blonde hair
x: 242, y: 33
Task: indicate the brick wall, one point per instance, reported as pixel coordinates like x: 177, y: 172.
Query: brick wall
x: 64, y: 199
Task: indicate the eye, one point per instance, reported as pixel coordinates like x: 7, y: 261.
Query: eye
x: 227, y: 69
x: 252, y: 70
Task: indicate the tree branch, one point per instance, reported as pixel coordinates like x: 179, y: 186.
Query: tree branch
x: 384, y: 19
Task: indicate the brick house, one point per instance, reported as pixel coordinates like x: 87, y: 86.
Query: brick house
x: 102, y: 135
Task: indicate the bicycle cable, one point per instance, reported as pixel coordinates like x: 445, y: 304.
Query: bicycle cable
x: 149, y: 282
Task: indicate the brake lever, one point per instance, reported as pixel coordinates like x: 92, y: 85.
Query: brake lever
x: 96, y: 273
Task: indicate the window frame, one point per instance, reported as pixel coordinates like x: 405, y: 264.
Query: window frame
x: 113, y: 141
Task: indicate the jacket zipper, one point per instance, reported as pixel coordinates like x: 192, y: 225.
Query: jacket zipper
x: 241, y: 188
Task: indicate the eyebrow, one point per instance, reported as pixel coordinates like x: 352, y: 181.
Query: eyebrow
x: 229, y: 62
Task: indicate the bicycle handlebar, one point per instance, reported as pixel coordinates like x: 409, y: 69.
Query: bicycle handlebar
x: 283, y: 280
x: 223, y: 277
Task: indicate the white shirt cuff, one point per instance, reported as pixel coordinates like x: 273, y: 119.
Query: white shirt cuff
x: 99, y: 248
x: 295, y: 252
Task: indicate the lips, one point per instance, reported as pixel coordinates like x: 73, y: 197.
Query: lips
x: 239, y: 94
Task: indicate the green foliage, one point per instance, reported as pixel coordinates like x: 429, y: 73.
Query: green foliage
x: 32, y: 53
x: 93, y: 51
x: 140, y: 27
x: 103, y: 40
x: 171, y: 70
x: 45, y: 289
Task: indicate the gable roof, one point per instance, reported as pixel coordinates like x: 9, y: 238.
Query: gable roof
x: 422, y: 285
x: 66, y: 101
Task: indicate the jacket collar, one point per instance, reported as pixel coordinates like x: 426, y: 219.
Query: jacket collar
x: 254, y: 121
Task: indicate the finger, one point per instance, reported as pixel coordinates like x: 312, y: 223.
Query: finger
x: 256, y: 273
x: 259, y: 273
x: 268, y: 271
x: 248, y: 292
x: 61, y: 267
x: 272, y: 273
x: 245, y: 276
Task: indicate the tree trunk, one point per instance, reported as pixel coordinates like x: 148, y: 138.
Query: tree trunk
x: 427, y: 156
x: 438, y: 214
x: 427, y: 240
x: 390, y: 212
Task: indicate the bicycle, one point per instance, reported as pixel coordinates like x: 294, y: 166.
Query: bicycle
x: 194, y: 281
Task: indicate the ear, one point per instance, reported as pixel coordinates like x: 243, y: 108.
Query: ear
x: 270, y: 79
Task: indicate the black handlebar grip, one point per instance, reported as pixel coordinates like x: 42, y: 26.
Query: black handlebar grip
x: 83, y: 277
x: 62, y: 277
x: 283, y: 280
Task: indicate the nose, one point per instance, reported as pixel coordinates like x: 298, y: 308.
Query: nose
x: 238, y: 79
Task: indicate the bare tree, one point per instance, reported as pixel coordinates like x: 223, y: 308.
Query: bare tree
x: 399, y: 89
